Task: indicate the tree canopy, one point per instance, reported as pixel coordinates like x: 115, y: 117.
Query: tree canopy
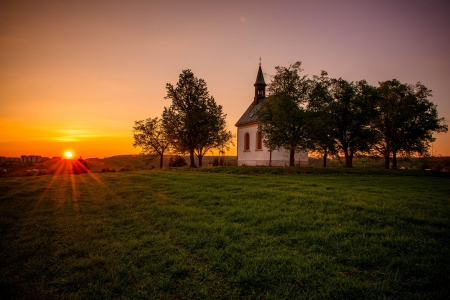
x: 406, y: 120
x: 353, y: 109
x: 194, y: 122
x: 152, y: 137
x: 321, y: 125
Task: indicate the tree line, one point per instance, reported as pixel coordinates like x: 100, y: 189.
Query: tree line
x: 331, y: 116
x: 194, y: 123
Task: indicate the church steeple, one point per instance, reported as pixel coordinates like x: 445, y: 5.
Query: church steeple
x: 260, y: 86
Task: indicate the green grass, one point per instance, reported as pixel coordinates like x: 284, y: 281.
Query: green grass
x: 230, y: 233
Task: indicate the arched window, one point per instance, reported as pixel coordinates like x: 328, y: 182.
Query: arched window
x: 246, y: 142
x: 259, y: 142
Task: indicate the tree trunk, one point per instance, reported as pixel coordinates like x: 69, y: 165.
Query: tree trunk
x: 386, y: 160
x: 192, y: 158
x: 291, y: 158
x: 348, y: 158
x: 325, y: 155
x: 161, y: 157
x: 200, y: 158
x: 394, y: 159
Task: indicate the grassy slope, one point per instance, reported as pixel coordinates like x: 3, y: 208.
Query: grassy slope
x: 198, y: 234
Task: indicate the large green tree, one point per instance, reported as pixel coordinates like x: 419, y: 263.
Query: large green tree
x: 214, y: 133
x: 349, y: 108
x: 406, y: 120
x: 194, y: 122
x: 283, y: 120
x: 321, y: 125
x: 152, y: 137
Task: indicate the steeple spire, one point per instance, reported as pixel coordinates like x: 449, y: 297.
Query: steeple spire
x: 260, y: 86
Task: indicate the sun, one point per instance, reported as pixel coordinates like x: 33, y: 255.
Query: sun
x: 68, y: 154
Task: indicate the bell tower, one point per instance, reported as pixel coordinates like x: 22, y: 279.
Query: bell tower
x: 260, y: 86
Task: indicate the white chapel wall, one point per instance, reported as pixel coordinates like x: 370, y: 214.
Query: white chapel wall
x: 255, y: 157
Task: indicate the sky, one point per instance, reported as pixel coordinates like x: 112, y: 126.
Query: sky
x: 76, y: 75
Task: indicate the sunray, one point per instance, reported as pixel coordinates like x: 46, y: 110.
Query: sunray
x: 49, y: 185
x: 74, y: 193
x: 68, y: 169
x: 96, y: 179
x: 84, y: 169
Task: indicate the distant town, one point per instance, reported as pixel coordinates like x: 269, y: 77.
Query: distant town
x: 27, y: 159
x: 26, y: 164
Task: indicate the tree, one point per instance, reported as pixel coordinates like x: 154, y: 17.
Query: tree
x: 350, y: 108
x: 152, y: 137
x: 319, y: 138
x: 194, y: 121
x: 216, y: 136
x: 406, y: 120
x: 283, y: 121
x: 177, y: 161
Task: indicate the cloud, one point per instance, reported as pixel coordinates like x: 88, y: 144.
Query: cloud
x: 242, y: 19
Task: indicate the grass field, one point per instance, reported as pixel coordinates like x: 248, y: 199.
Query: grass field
x: 230, y: 233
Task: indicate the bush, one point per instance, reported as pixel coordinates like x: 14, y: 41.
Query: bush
x: 215, y: 162
x: 437, y: 163
x: 127, y: 167
x: 177, y: 161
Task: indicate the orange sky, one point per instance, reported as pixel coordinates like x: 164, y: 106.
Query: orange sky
x: 77, y: 74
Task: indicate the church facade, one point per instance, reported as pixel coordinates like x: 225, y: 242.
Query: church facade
x: 250, y: 148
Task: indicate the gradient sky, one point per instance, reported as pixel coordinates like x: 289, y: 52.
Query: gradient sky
x: 75, y: 75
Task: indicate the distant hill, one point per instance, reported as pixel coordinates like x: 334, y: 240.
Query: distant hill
x: 138, y: 162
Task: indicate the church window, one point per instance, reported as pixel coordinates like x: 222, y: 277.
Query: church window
x: 259, y: 142
x: 246, y: 142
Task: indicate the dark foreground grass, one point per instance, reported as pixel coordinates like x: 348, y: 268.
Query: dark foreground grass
x: 198, y: 234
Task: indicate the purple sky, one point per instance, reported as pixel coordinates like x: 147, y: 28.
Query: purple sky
x: 77, y: 74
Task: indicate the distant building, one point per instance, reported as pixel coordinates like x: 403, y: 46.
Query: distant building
x: 30, y: 158
x: 4, y: 159
x: 250, y: 148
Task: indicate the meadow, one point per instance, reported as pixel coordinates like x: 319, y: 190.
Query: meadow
x: 226, y: 233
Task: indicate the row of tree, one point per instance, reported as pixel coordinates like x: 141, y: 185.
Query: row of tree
x: 193, y: 124
x: 332, y: 116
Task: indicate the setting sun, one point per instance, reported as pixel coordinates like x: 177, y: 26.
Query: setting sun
x: 68, y: 154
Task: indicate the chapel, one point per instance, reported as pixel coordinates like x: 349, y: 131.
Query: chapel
x: 250, y: 148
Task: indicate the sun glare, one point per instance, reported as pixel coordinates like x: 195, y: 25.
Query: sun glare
x: 68, y: 154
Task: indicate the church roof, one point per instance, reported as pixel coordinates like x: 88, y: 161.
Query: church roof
x: 250, y: 114
x: 260, y: 77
